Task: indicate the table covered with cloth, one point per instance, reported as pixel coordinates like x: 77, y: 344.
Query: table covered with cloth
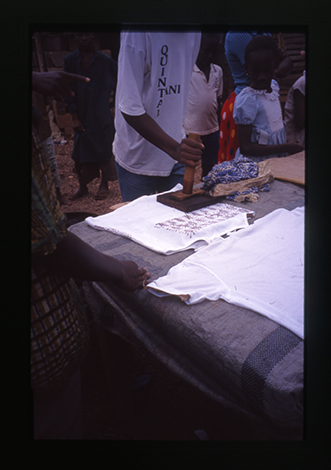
x: 239, y: 358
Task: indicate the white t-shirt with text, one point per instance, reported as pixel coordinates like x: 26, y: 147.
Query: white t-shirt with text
x: 154, y: 71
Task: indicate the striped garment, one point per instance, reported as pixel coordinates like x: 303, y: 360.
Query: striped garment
x: 59, y: 327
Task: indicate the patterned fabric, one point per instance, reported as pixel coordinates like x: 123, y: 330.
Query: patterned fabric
x: 228, y: 172
x: 228, y: 141
x: 248, y: 195
x: 48, y: 222
x: 199, y: 219
x: 240, y: 168
x: 40, y: 102
x: 270, y: 352
x: 59, y: 328
x: 49, y: 151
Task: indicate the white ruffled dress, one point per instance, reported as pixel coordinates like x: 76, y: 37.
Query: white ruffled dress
x: 263, y: 111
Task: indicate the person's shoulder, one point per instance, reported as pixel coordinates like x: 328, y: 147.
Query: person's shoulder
x: 246, y: 96
x: 301, y: 80
x: 234, y: 36
x: 103, y: 56
x: 132, y: 38
x: 72, y: 55
x: 218, y: 69
x: 246, y: 106
x: 247, y: 91
x: 106, y: 58
x: 299, y: 85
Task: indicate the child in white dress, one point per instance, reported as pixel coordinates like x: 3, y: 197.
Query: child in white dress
x: 257, y: 110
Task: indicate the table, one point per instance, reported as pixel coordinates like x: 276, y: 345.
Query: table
x: 235, y: 356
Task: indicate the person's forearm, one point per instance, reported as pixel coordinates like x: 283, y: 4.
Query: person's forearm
x: 258, y: 150
x: 151, y: 131
x: 299, y: 109
x: 284, y: 68
x: 75, y: 258
x: 299, y: 119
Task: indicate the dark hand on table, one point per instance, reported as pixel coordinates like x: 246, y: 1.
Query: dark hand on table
x: 294, y: 147
x: 133, y: 277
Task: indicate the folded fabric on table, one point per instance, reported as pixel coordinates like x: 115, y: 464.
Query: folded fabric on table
x: 166, y: 230
x: 239, y: 179
x: 260, y: 268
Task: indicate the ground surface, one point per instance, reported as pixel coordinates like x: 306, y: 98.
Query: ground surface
x: 70, y: 185
x: 166, y: 407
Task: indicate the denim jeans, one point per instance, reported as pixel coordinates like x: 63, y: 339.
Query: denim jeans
x: 133, y: 186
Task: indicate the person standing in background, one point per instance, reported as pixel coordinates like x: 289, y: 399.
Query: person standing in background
x: 59, y: 328
x: 206, y: 88
x: 235, y: 45
x: 257, y: 110
x: 92, y: 118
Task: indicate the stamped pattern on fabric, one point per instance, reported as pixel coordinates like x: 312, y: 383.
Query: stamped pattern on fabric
x: 190, y: 224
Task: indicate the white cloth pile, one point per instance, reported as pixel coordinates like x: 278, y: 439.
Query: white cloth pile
x: 260, y: 267
x: 166, y: 230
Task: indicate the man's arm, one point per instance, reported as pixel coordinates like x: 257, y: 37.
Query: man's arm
x: 188, y: 152
x: 299, y: 109
x: 253, y: 149
x: 285, y: 65
x: 75, y: 258
x: 72, y: 256
x: 55, y: 83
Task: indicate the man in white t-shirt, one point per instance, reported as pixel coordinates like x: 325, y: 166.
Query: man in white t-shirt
x: 150, y: 148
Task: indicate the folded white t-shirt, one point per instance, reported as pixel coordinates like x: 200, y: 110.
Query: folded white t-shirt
x: 166, y: 230
x: 260, y: 268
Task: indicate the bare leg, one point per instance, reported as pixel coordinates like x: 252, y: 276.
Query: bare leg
x: 62, y: 199
x: 83, y: 180
x: 103, y: 190
x: 81, y: 191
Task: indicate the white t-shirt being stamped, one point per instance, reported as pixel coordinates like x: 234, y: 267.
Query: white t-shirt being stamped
x: 167, y: 230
